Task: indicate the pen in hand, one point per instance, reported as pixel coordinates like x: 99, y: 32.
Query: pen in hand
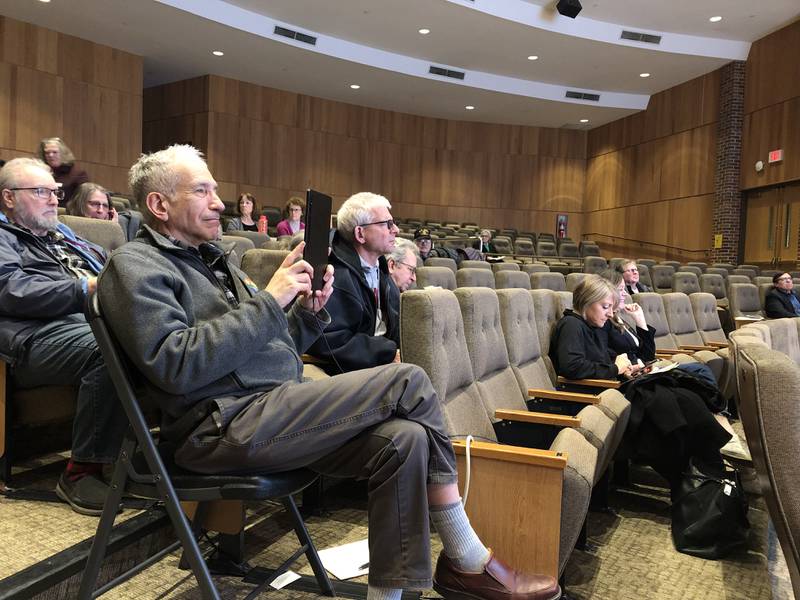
x: 364, y: 567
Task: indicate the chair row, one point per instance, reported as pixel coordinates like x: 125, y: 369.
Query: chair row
x: 482, y: 351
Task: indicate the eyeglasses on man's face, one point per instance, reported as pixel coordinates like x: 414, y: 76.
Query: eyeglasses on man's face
x: 412, y: 269
x: 94, y: 204
x: 784, y: 279
x: 43, y: 193
x: 388, y: 222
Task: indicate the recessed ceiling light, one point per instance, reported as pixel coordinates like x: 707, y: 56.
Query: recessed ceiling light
x: 644, y: 74
x: 469, y: 107
x: 217, y: 53
x: 45, y: 1
x: 355, y: 86
x: 424, y: 31
x: 584, y: 120
x: 533, y: 57
x: 716, y: 19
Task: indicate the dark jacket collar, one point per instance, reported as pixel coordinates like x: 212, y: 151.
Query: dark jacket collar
x: 345, y: 254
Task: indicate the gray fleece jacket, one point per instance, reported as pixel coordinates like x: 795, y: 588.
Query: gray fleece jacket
x: 198, y: 353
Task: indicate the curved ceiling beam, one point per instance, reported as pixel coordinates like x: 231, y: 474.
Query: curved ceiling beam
x: 263, y: 26
x: 540, y: 17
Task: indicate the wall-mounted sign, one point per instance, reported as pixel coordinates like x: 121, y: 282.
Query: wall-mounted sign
x: 718, y: 241
x: 561, y: 226
x: 775, y: 156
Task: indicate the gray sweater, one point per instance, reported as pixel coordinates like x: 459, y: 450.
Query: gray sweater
x: 196, y: 351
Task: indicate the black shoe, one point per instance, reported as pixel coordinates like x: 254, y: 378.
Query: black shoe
x: 86, y: 495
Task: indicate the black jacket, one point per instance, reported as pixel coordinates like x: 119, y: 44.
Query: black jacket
x: 778, y: 304
x: 580, y: 351
x: 641, y: 288
x: 352, y: 307
x: 620, y: 342
x: 487, y: 248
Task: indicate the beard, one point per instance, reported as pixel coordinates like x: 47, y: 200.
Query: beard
x: 23, y: 216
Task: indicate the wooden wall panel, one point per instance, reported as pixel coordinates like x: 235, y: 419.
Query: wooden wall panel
x: 58, y: 85
x: 275, y: 144
x: 773, y: 71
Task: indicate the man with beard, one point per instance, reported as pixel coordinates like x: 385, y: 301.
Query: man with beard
x: 46, y: 272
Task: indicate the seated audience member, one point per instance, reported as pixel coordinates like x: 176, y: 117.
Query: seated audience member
x: 674, y: 413
x: 59, y: 157
x: 92, y: 201
x: 294, y: 213
x: 423, y: 241
x: 630, y: 273
x: 484, y: 244
x: 245, y: 208
x: 46, y: 271
x: 365, y: 305
x: 222, y: 360
x: 782, y: 300
x: 402, y: 263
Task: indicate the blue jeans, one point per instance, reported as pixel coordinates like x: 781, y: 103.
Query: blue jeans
x: 64, y: 352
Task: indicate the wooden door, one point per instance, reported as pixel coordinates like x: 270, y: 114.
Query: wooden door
x: 761, y: 238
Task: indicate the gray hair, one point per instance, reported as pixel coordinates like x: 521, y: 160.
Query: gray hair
x: 401, y: 248
x: 9, y: 174
x: 487, y: 232
x: 67, y: 157
x: 592, y: 289
x: 77, y: 204
x: 156, y: 172
x: 357, y: 210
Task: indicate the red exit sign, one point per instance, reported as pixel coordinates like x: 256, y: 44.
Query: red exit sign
x: 775, y: 156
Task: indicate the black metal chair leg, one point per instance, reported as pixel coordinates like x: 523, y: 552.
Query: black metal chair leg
x: 100, y: 542
x: 197, y: 529
x: 324, y: 582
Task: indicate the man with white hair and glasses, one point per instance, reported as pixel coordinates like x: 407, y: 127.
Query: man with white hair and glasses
x: 402, y: 263
x: 46, y: 272
x: 365, y: 304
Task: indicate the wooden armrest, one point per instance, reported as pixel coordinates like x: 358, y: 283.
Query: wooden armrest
x: 524, y: 416
x: 560, y: 395
x: 518, y: 454
x: 313, y: 360
x: 695, y: 348
x: 718, y: 345
x: 601, y: 383
x: 669, y: 351
x: 742, y: 321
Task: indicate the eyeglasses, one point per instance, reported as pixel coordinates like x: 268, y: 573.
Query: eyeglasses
x: 43, y: 193
x: 295, y: 209
x: 388, y: 222
x: 784, y: 278
x: 98, y: 205
x: 408, y: 266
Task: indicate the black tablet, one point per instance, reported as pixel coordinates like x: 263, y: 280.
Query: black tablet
x: 318, y: 219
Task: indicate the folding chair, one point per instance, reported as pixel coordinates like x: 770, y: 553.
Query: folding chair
x: 173, y: 485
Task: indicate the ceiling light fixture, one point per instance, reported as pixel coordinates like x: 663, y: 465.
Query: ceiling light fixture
x: 584, y: 120
x: 533, y: 57
x: 424, y: 31
x: 469, y: 107
x: 45, y: 1
x: 355, y: 86
x: 644, y: 75
x: 716, y: 19
x: 217, y: 53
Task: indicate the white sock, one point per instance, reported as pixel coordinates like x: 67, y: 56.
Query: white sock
x: 381, y: 593
x: 460, y: 542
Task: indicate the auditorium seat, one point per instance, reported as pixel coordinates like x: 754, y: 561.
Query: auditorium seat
x: 685, y: 282
x: 107, y: 234
x: 763, y: 290
x: 745, y: 304
x: 644, y: 275
x: 682, y: 326
x: 502, y: 245
x: 587, y: 248
x: 714, y: 284
x: 661, y: 276
x: 260, y: 264
x: 749, y: 273
x: 432, y: 336
x: 770, y: 272
x: 755, y: 268
x: 647, y: 262
x: 700, y: 265
x: 568, y: 251
x: 547, y: 237
x: 573, y: 279
x: 442, y: 277
x: 550, y: 281
x: 616, y: 262
x: 505, y: 266
x: 671, y: 263
x: 691, y: 269
x: 727, y: 266
x: 564, y: 300
x: 546, y: 251
x: 273, y: 213
x: 511, y: 279
x: 655, y: 314
x: 475, y: 278
x: 735, y: 278
x: 594, y: 264
x: 758, y: 280
x: 474, y: 264
x: 235, y: 247
x: 535, y: 267
x: 724, y: 273
x: 524, y: 247
x: 258, y: 239
x: 440, y: 261
x: 706, y: 316
x: 547, y: 308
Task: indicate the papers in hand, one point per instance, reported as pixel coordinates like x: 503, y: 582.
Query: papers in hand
x: 345, y: 562
x: 662, y: 367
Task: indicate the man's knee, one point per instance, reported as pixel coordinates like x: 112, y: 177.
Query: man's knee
x: 409, y: 440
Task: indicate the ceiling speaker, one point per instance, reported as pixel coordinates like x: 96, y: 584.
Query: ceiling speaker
x: 569, y: 8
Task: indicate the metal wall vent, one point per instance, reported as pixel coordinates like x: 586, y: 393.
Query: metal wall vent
x: 635, y: 36
x: 583, y: 96
x: 295, y: 35
x: 446, y: 72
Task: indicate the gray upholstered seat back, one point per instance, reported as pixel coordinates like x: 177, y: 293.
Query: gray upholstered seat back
x: 502, y: 245
x: 547, y: 308
x: 685, y: 282
x: 535, y: 268
x: 717, y: 271
x: 486, y: 345
x: 236, y: 247
x: 647, y: 262
x: 761, y: 279
x: 691, y: 269
x: 546, y: 249
x: 474, y: 278
x: 755, y: 268
x: 432, y: 337
x: 441, y: 261
x: 573, y: 279
x: 564, y: 300
x: 763, y: 290
x: 441, y: 277
x: 653, y: 307
x: 107, y: 234
x: 700, y: 265
x: 261, y: 264
x: 594, y: 264
x: 258, y: 239
x: 518, y: 320
x: 524, y: 247
x: 505, y: 266
x: 550, y: 281
x: 568, y: 250
x: 727, y: 266
x: 713, y: 284
x: 474, y: 264
x: 744, y: 300
x: 749, y: 273
x: 732, y: 278
x: 680, y: 318
x: 706, y: 316
x: 661, y: 276
x: 512, y: 279
x: 784, y: 337
x: 671, y: 263
x: 644, y: 275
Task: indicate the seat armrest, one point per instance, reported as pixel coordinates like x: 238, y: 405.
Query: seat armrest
x: 517, y: 454
x: 696, y: 348
x: 524, y: 416
x: 669, y: 351
x: 600, y: 383
x: 718, y: 345
x: 313, y: 360
x: 561, y: 395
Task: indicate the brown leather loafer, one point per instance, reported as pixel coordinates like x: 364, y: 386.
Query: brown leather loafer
x: 498, y: 581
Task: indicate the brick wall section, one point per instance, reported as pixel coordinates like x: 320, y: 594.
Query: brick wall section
x: 727, y: 193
